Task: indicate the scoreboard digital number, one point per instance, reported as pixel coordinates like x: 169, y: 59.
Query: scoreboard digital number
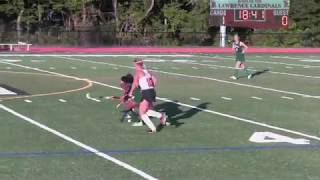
x: 259, y: 14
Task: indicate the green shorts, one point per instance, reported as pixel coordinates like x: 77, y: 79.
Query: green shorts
x: 137, y: 95
x: 240, y: 57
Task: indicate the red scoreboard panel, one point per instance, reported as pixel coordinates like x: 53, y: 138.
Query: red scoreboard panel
x: 259, y: 14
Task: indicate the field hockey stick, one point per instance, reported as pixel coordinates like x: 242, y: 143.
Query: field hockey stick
x: 112, y: 98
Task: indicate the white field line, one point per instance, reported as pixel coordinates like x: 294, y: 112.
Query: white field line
x: 93, y: 99
x: 272, y: 72
x: 295, y: 58
x: 226, y: 98
x: 287, y: 64
x: 200, y: 77
x: 264, y: 62
x: 310, y: 60
x: 28, y: 101
x: 63, y: 100
x: 286, y: 97
x: 195, y: 99
x: 254, y: 97
x: 80, y: 144
x: 97, y: 55
x: 194, y: 68
x: 194, y: 107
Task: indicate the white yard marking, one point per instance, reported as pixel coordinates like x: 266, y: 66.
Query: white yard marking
x: 62, y: 100
x: 195, y: 99
x: 11, y: 60
x: 28, y: 101
x: 270, y: 137
x: 93, y: 99
x: 190, y: 106
x: 226, y: 98
x: 286, y: 97
x: 254, y: 97
x: 52, y: 68
x: 201, y: 77
x: 78, y: 143
x: 174, y: 68
x: 289, y: 67
x: 194, y: 68
x: 115, y: 68
x: 210, y: 61
x: 73, y: 67
x: 154, y: 60
x: 93, y: 67
x: 182, y: 60
x: 36, y: 61
x: 310, y: 60
x: 4, y: 91
x: 8, y: 67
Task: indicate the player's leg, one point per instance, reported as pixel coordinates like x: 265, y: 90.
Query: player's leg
x: 143, y: 108
x: 150, y: 96
x: 245, y: 69
x: 236, y: 70
x: 156, y: 114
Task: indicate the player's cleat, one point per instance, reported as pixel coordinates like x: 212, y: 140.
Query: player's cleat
x: 233, y: 77
x: 163, y: 119
x: 250, y: 76
x: 125, y: 116
x: 137, y: 124
x: 151, y: 131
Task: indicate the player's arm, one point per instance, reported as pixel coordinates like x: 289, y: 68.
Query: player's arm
x: 135, y: 83
x: 245, y: 47
x: 154, y: 80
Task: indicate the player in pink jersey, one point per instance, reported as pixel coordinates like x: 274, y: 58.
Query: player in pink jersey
x: 147, y: 83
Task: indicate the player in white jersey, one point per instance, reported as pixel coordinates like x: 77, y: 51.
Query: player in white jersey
x: 147, y: 83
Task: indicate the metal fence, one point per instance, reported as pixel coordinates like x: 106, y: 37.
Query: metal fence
x: 108, y: 38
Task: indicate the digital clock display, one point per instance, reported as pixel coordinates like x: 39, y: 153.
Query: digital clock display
x: 249, y: 15
x: 259, y: 14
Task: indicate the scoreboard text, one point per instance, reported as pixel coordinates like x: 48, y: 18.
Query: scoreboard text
x: 263, y: 14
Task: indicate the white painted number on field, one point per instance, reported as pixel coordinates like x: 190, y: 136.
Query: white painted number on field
x: 270, y: 137
x: 4, y: 91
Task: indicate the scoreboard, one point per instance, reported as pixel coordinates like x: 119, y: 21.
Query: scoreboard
x: 259, y: 14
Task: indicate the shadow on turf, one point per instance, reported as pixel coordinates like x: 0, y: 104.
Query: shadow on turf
x: 176, y: 114
x: 257, y: 73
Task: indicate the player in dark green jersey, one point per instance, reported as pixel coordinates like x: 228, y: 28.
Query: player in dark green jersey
x: 240, y: 49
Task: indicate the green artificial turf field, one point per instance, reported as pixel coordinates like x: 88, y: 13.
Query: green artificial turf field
x: 52, y: 130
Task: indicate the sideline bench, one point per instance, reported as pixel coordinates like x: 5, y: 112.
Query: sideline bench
x: 12, y: 45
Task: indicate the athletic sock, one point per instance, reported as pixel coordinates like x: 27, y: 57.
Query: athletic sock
x: 155, y: 114
x: 236, y: 73
x: 247, y: 71
x: 148, y: 122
